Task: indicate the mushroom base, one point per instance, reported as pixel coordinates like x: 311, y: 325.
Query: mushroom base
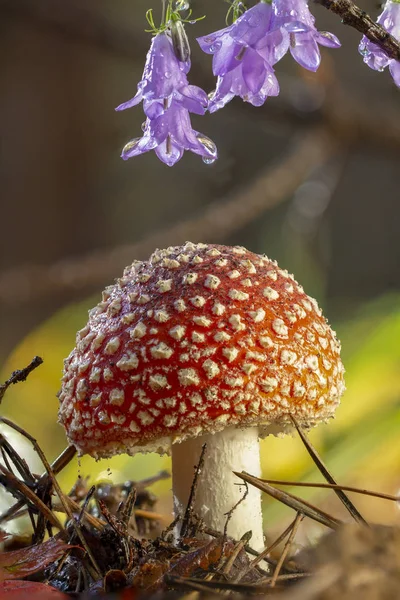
x: 218, y: 491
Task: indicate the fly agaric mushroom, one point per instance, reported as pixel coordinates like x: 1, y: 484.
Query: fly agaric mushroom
x: 201, y: 343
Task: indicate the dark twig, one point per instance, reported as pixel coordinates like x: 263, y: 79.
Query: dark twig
x: 57, y: 466
x: 127, y: 509
x: 298, y: 504
x: 357, y: 18
x: 289, y: 542
x: 187, y: 518
x: 229, y: 514
x: 20, y: 490
x: 20, y: 375
x: 57, y: 488
x: 324, y: 471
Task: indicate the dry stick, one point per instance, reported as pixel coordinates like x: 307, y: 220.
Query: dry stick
x: 265, y: 552
x: 17, y: 484
x: 289, y: 541
x: 187, y: 518
x: 216, y: 222
x: 229, y: 561
x: 57, y: 488
x: 323, y: 469
x: 292, y: 501
x: 20, y: 464
x: 332, y: 486
x: 58, y: 465
x: 20, y: 375
x: 127, y: 507
x: 357, y: 18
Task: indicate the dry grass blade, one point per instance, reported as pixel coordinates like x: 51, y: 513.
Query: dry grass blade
x: 298, y: 504
x: 298, y: 520
x: 333, y: 486
x: 323, y: 469
x: 20, y: 375
x: 57, y: 488
x: 215, y: 586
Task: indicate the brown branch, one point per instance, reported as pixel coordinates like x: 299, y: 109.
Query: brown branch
x: 221, y: 219
x: 357, y: 18
x: 20, y: 375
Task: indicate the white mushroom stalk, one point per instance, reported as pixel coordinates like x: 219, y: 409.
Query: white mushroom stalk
x: 232, y: 449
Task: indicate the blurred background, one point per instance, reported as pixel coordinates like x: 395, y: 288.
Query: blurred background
x: 311, y: 179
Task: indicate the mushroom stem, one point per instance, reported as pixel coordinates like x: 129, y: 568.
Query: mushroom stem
x: 218, y: 491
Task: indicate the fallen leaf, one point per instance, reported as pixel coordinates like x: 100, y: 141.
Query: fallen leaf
x: 19, y: 590
x: 21, y: 563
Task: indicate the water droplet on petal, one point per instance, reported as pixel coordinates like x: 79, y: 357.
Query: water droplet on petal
x: 211, y: 95
x: 143, y: 126
x: 130, y: 145
x: 207, y: 143
x: 167, y: 74
x: 210, y: 147
x: 182, y: 5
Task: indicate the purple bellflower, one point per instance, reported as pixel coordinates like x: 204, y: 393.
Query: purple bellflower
x: 167, y: 101
x: 243, y: 55
x: 295, y: 17
x: 372, y: 54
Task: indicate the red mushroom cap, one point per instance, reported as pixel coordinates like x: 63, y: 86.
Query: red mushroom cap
x: 198, y: 338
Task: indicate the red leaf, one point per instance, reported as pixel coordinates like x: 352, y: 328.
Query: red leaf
x: 23, y: 590
x: 21, y: 563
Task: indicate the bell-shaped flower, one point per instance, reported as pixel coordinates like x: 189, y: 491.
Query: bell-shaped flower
x: 243, y: 55
x: 372, y: 54
x: 295, y: 17
x: 167, y: 101
x: 168, y: 131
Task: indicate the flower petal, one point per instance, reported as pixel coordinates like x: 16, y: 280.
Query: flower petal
x: 292, y: 11
x: 153, y: 108
x: 269, y: 88
x: 253, y: 70
x: 169, y: 152
x: 227, y: 57
x: 163, y: 72
x: 193, y: 98
x: 394, y: 68
x: 212, y: 42
x: 305, y: 51
x: 223, y: 93
x: 132, y: 102
x: 253, y: 24
x: 325, y: 38
x: 273, y: 46
x: 138, y: 146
